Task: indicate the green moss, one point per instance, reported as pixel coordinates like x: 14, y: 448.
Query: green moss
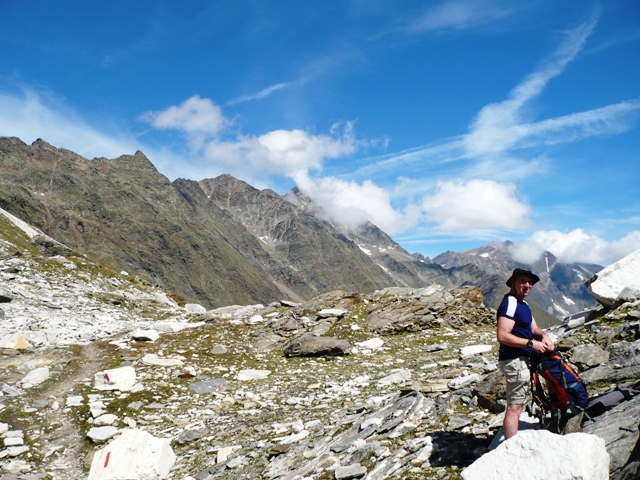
x: 16, y: 237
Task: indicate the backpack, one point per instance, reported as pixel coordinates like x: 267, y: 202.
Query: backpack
x: 563, y: 389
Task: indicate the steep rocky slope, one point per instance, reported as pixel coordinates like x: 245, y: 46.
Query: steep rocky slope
x: 125, y: 214
x: 308, y: 255
x: 396, y: 383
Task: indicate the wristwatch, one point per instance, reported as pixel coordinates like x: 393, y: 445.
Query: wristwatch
x: 530, y: 344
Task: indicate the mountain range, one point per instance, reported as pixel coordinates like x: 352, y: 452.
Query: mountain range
x: 221, y: 241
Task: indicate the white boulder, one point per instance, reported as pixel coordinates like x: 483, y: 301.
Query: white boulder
x: 611, y: 284
x: 145, y: 335
x: 14, y: 341
x: 472, y: 350
x: 123, y: 379
x: 542, y: 455
x: 35, y: 377
x: 134, y: 455
x: 195, y: 308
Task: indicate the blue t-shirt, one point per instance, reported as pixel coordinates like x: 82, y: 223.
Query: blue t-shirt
x: 520, y: 312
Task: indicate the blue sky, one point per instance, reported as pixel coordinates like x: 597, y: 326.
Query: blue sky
x: 449, y: 124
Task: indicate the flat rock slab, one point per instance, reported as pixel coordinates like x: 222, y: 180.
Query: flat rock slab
x: 208, y: 386
x: 245, y: 375
x: 153, y: 359
x: 312, y: 346
x: 145, y: 335
x: 102, y: 434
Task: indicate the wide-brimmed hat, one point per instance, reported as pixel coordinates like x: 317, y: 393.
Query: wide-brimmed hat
x: 522, y: 271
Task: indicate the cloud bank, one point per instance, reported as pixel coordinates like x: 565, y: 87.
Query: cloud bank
x: 575, y: 246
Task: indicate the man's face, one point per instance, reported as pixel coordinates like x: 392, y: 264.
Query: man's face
x: 523, y: 284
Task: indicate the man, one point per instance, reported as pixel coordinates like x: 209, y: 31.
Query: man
x: 519, y: 336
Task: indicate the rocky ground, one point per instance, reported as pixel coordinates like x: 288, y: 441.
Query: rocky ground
x: 397, y: 383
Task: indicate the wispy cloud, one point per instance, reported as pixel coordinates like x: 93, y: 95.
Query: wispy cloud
x: 500, y: 129
x: 457, y: 15
x: 500, y: 126
x: 261, y: 94
x: 29, y: 114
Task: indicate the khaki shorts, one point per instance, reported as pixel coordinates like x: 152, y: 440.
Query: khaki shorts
x: 518, y: 379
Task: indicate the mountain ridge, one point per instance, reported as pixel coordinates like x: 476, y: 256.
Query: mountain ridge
x: 221, y: 241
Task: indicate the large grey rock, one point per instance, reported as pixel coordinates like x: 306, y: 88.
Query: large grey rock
x: 624, y: 275
x: 619, y: 429
x: 35, y: 377
x: 609, y: 374
x: 5, y: 296
x: 102, y: 434
x: 586, y: 356
x: 191, y: 435
x: 542, y: 455
x: 350, y: 472
x: 311, y: 346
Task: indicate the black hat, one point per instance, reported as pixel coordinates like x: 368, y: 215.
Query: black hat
x: 522, y: 271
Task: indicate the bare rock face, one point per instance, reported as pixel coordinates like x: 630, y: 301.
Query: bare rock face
x: 620, y: 429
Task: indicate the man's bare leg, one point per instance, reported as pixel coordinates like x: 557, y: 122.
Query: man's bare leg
x: 511, y: 419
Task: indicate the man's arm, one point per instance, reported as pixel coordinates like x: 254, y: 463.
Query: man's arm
x: 505, y: 337
x: 541, y: 336
x: 505, y: 325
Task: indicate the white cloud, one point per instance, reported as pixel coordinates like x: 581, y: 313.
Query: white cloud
x: 461, y: 206
x: 199, y: 118
x: 575, y: 246
x: 279, y: 152
x: 351, y: 204
x: 282, y: 152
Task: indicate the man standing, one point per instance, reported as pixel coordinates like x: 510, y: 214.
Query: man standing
x: 519, y: 336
